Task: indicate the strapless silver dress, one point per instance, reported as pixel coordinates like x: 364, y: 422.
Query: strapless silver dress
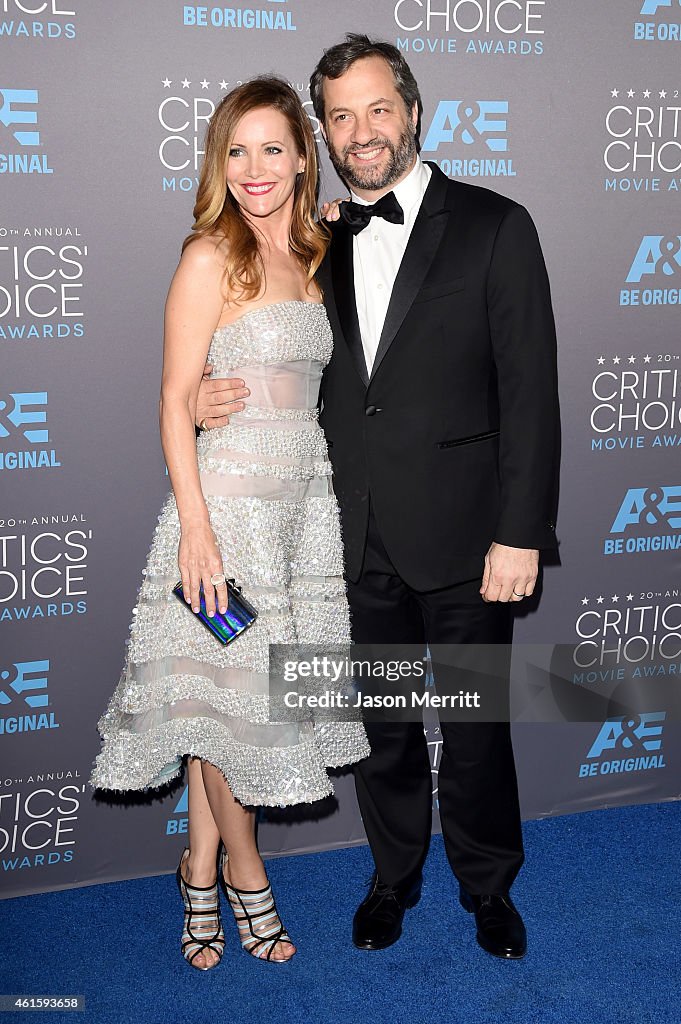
x: 266, y: 479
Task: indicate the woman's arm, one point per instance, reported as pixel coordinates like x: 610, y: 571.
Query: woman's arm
x: 193, y: 309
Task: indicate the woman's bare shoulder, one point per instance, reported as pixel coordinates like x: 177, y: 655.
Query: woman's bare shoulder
x: 206, y: 254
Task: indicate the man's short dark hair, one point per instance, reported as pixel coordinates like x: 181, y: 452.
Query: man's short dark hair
x: 338, y: 59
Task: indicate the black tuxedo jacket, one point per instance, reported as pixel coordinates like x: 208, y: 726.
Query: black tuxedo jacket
x: 454, y: 437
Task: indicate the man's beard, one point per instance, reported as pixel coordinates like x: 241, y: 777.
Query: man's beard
x: 376, y: 178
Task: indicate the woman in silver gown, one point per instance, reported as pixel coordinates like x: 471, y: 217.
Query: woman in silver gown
x: 251, y: 500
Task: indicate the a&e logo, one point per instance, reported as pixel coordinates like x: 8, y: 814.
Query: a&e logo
x: 21, y: 422
x: 178, y: 824
x: 19, y: 118
x: 662, y: 30
x: 638, y: 738
x: 480, y: 124
x: 24, y: 686
x: 646, y: 507
x: 659, y: 257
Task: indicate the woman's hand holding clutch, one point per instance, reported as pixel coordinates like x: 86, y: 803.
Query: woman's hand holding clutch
x: 200, y: 564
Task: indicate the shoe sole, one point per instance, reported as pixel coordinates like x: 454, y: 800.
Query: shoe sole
x: 374, y: 947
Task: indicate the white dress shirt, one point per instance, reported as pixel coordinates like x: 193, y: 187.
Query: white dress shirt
x: 377, y: 254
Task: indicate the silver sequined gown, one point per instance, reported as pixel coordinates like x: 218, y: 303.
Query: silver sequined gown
x: 266, y: 479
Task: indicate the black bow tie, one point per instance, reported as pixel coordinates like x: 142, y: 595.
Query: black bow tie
x: 357, y: 216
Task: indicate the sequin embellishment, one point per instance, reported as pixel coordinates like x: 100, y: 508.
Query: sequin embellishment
x: 266, y: 478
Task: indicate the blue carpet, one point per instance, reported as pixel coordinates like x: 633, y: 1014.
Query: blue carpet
x: 600, y: 893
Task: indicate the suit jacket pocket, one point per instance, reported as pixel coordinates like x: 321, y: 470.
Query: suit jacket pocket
x: 468, y: 440
x: 444, y: 288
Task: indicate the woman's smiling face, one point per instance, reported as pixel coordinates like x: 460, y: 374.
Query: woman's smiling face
x: 263, y: 162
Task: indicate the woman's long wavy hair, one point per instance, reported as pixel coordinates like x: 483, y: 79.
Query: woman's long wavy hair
x: 216, y: 211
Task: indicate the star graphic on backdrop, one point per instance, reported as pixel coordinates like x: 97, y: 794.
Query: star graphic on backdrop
x: 600, y: 360
x: 204, y: 84
x: 631, y: 93
x: 223, y: 84
x: 166, y: 83
x: 615, y: 598
x: 614, y: 93
x: 632, y: 359
x: 630, y: 597
x: 646, y: 359
x: 663, y: 94
x: 585, y: 600
x: 646, y: 94
x: 616, y: 359
x: 185, y: 83
x: 600, y: 599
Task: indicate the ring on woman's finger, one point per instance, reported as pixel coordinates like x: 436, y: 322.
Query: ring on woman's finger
x: 518, y: 595
x: 203, y: 425
x: 218, y: 579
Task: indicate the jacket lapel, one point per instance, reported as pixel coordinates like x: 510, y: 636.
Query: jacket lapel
x: 342, y: 273
x: 424, y: 241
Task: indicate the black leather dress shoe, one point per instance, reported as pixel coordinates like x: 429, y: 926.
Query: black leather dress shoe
x: 378, y: 920
x: 501, y: 931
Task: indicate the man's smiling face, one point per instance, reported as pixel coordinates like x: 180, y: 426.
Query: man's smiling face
x: 370, y: 135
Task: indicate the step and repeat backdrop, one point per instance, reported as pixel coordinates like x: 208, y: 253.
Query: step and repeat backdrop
x: 574, y: 110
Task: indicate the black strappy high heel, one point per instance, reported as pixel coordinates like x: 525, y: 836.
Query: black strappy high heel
x: 255, y: 912
x: 202, y: 922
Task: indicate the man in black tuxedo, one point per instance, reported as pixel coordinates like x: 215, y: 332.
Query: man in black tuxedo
x: 440, y: 409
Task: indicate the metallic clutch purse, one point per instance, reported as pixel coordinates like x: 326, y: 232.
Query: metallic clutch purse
x: 239, y: 616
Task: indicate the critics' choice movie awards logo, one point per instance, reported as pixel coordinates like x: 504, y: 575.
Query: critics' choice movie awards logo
x: 647, y: 520
x: 629, y: 744
x: 37, y: 19
x: 39, y: 820
x: 658, y: 21
x: 636, y: 403
x: 24, y: 432
x: 42, y: 274
x: 642, y: 150
x: 514, y: 27
x: 270, y: 16
x: 627, y: 636
x: 476, y: 127
x: 184, y: 111
x: 20, y: 140
x: 43, y: 571
x: 655, y: 273
x: 24, y: 698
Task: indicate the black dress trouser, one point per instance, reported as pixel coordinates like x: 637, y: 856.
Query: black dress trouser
x: 478, y: 793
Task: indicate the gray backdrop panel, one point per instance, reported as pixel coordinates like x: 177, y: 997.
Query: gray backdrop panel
x: 93, y: 213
